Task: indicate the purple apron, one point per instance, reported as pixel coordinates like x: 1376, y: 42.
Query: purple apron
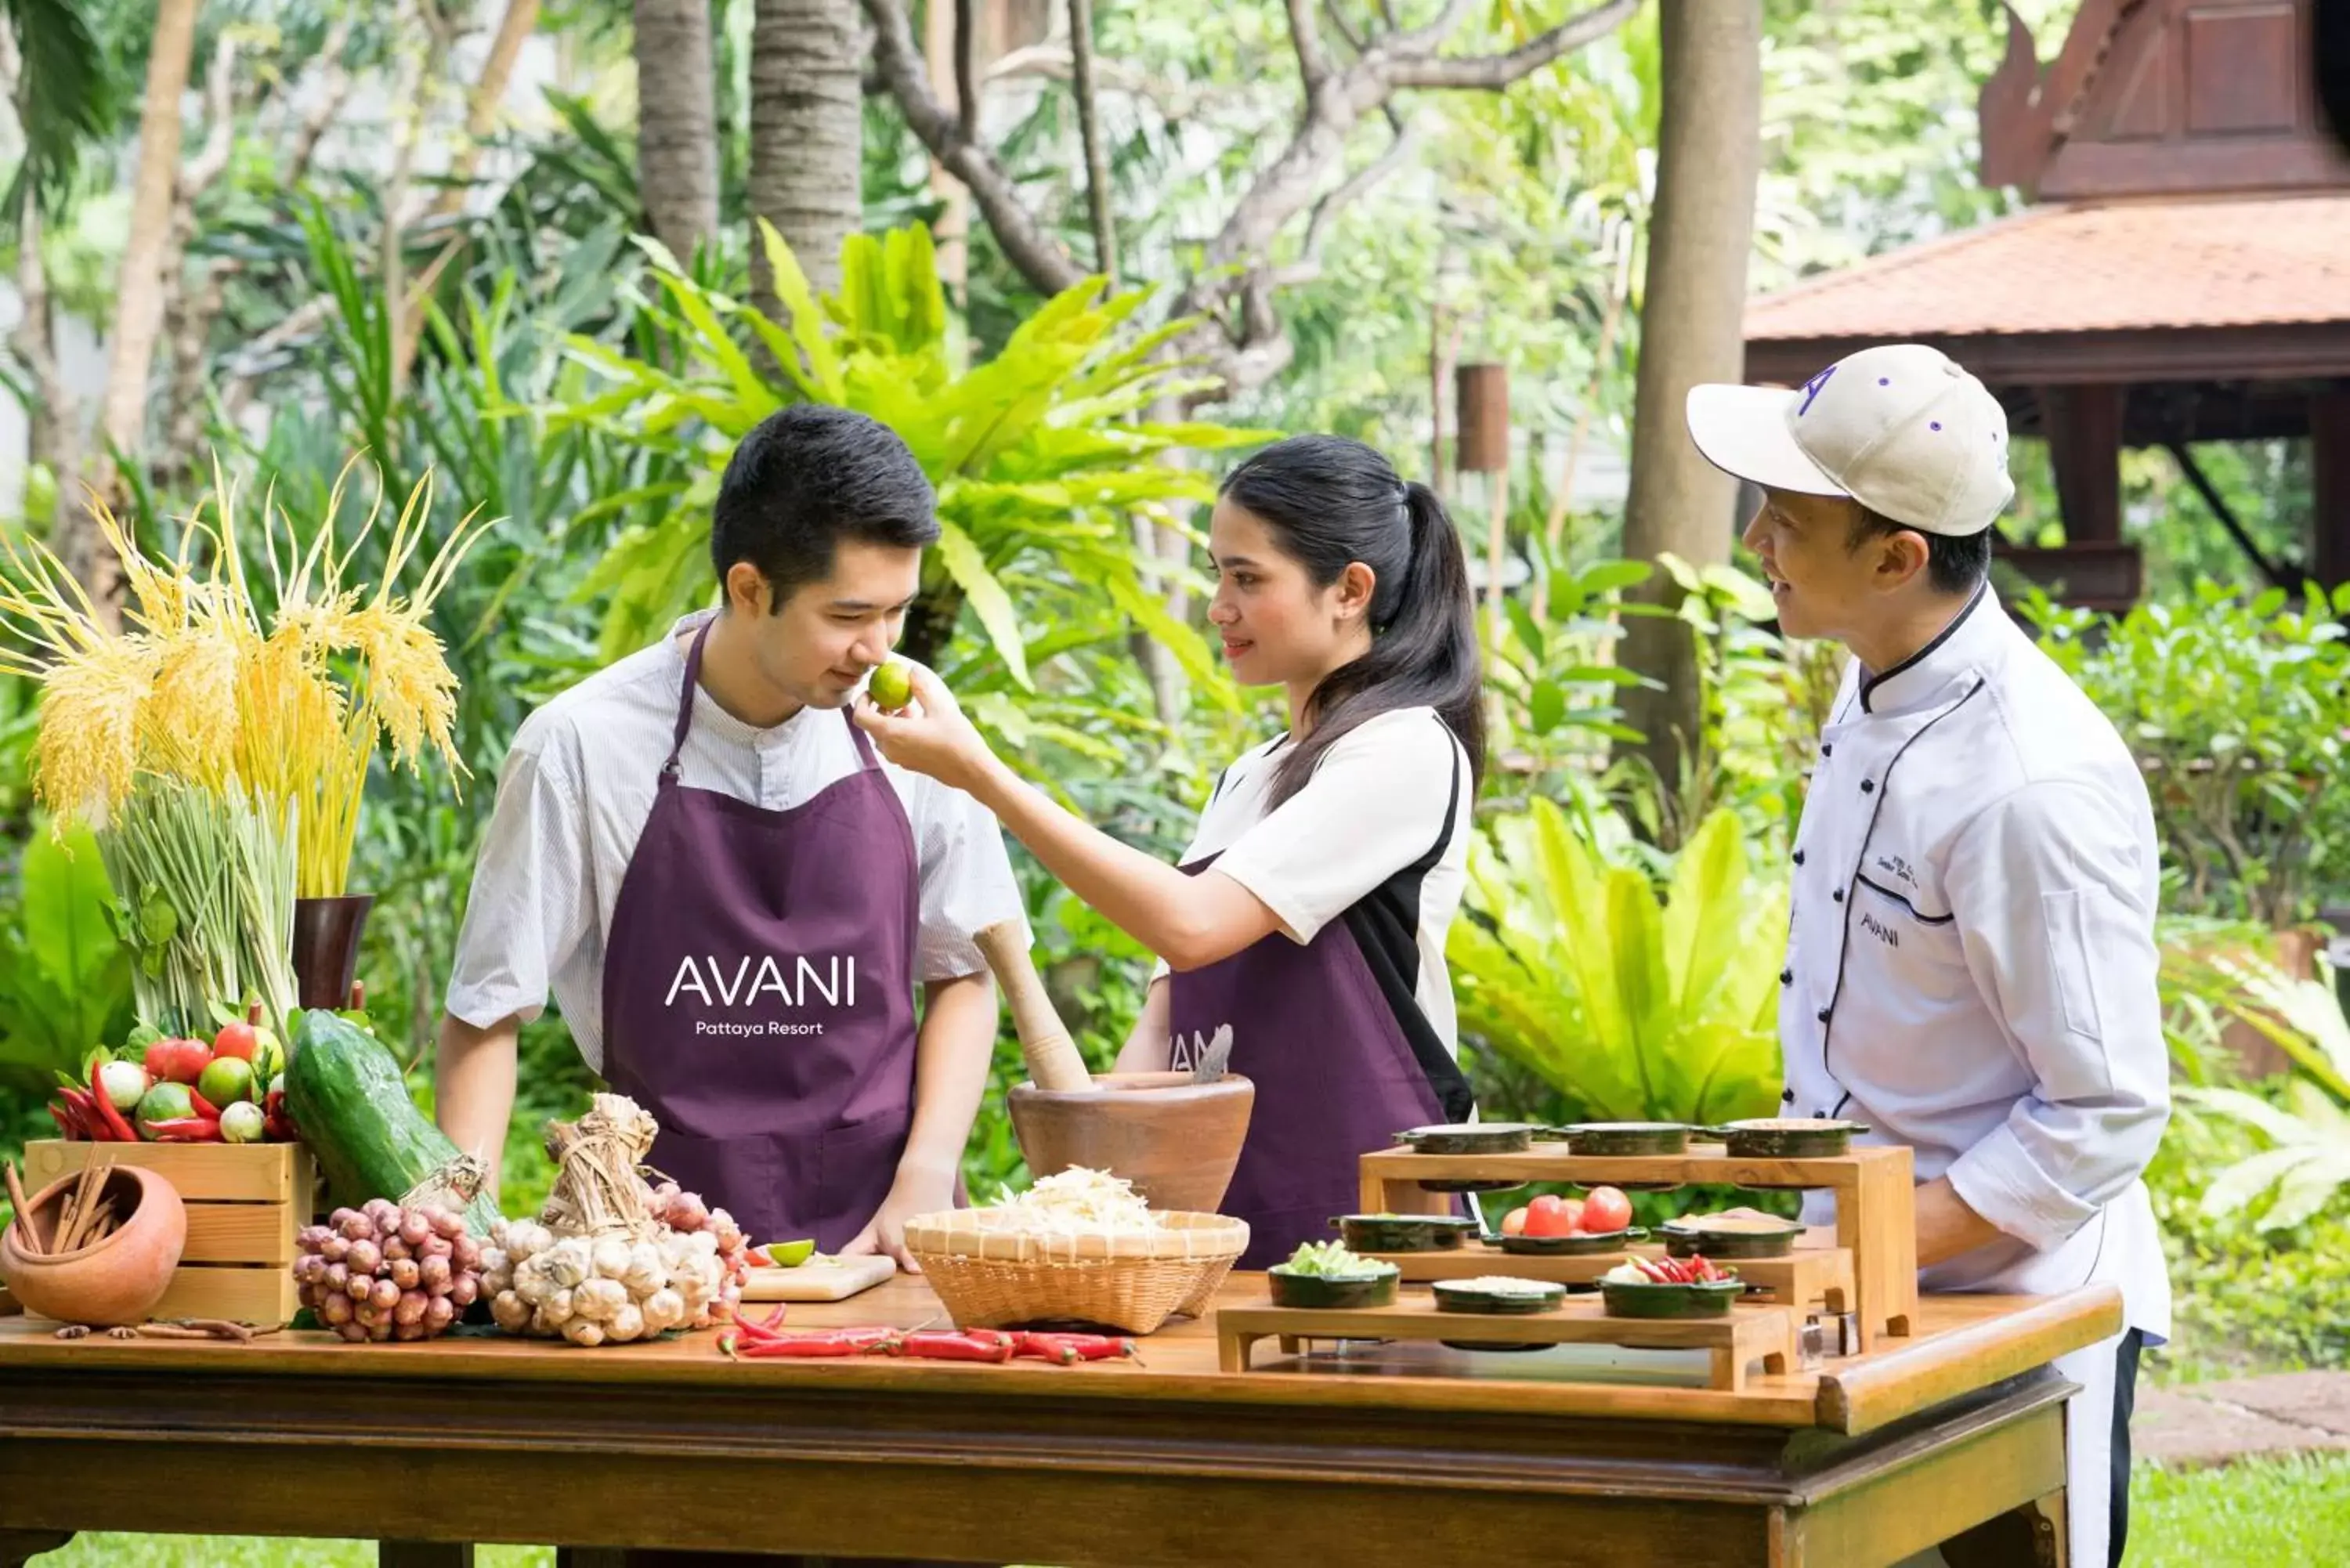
x: 758, y: 994
x: 1335, y: 1076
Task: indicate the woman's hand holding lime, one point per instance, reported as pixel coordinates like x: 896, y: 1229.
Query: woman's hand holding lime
x: 929, y: 733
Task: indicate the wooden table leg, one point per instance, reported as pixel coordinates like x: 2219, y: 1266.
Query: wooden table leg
x: 19, y: 1546
x: 2033, y: 1536
x: 424, y: 1554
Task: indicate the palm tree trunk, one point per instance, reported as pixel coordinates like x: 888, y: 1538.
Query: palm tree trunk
x: 138, y: 304
x: 807, y: 134
x: 1692, y: 315
x: 677, y: 123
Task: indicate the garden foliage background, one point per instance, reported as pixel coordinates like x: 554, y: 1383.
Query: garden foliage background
x: 1620, y: 944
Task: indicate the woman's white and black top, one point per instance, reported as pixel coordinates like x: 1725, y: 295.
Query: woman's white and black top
x: 1378, y: 838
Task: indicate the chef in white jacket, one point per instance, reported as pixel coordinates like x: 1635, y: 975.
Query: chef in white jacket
x: 1971, y: 958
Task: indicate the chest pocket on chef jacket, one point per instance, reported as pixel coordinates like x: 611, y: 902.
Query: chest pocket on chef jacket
x: 1901, y: 952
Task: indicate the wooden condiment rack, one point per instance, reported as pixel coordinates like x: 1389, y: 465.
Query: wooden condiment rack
x: 1737, y: 1341
x: 1876, y: 1212
x: 1811, y: 1278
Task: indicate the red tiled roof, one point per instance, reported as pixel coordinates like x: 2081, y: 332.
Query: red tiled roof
x: 2213, y: 262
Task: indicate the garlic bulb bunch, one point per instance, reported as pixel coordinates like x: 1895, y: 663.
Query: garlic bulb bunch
x: 595, y: 1290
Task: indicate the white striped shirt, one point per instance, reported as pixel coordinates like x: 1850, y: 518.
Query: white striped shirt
x: 574, y: 794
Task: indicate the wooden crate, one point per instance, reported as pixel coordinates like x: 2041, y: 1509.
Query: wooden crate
x: 245, y: 1201
x: 1749, y: 1334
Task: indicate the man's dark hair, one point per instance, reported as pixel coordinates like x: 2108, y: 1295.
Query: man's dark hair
x: 809, y: 477
x: 1954, y: 564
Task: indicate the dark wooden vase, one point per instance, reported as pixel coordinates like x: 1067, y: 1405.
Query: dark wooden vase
x: 327, y: 947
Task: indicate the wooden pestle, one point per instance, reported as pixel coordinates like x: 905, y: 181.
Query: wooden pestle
x: 1052, y: 1056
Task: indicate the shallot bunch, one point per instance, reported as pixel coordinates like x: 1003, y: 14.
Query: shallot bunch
x: 686, y: 1212
x: 598, y: 1289
x: 383, y: 1271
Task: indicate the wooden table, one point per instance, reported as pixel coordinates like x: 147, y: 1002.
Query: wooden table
x: 1412, y: 1457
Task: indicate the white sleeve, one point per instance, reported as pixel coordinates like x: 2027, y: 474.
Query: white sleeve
x: 966, y: 883
x: 1377, y: 802
x: 2046, y: 890
x: 533, y: 902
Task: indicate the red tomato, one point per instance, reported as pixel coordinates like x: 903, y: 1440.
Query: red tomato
x: 1606, y: 1210
x: 236, y: 1039
x: 177, y: 1061
x: 1549, y: 1216
x: 1574, y: 1207
x: 1515, y: 1223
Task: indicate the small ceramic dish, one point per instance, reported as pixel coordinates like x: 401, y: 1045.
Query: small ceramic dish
x: 1376, y: 1289
x: 1404, y: 1233
x: 1618, y: 1139
x: 1575, y: 1246
x: 1624, y: 1299
x: 1787, y: 1138
x: 1720, y: 1236
x: 1498, y: 1295
x: 1469, y: 1137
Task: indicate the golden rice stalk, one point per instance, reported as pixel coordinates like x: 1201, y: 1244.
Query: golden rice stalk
x: 202, y: 689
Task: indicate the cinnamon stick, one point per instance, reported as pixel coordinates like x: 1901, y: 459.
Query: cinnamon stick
x: 34, y: 1241
x: 87, y: 1193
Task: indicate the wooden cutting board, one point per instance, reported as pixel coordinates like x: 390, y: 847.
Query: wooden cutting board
x: 818, y: 1280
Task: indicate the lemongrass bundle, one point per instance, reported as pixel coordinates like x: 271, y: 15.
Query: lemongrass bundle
x: 206, y: 882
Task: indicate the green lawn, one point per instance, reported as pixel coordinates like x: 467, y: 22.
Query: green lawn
x: 2268, y: 1512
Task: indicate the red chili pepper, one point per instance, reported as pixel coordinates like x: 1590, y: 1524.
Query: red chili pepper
x: 81, y: 1107
x: 186, y: 1129
x: 938, y: 1344
x: 111, y: 1119
x: 202, y: 1107
x: 818, y: 1344
x: 66, y: 1128
x: 1068, y: 1348
x: 278, y: 1123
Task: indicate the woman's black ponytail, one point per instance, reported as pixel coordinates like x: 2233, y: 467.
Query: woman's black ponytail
x: 1330, y: 501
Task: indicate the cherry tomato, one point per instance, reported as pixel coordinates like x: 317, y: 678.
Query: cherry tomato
x: 1606, y: 1210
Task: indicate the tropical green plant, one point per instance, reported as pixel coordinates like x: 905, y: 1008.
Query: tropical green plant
x: 1550, y: 684
x: 2239, y: 708
x: 1633, y: 1007
x: 65, y: 980
x: 2307, y: 1126
x: 1039, y: 455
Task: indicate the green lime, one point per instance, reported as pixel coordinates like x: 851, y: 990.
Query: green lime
x: 789, y: 1254
x: 892, y: 685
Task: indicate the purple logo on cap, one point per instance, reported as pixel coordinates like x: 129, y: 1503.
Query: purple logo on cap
x: 1812, y: 389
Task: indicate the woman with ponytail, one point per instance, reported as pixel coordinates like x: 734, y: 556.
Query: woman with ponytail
x: 1311, y: 911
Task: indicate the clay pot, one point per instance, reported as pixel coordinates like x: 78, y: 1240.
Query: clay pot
x: 1176, y: 1140
x: 116, y: 1281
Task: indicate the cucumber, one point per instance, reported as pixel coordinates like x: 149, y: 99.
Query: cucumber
x: 345, y: 1090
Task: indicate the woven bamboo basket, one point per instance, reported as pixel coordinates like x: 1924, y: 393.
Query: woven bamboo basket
x: 988, y: 1272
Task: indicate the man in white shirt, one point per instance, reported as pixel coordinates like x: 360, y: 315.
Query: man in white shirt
x: 1971, y: 958
x: 730, y: 898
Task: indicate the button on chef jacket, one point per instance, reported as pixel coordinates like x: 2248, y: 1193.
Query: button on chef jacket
x: 572, y: 796
x: 1971, y: 963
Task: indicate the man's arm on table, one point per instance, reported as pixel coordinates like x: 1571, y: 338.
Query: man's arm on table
x: 474, y: 1088
x: 951, y: 1055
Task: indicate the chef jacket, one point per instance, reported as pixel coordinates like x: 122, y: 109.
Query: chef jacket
x: 1971, y: 958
